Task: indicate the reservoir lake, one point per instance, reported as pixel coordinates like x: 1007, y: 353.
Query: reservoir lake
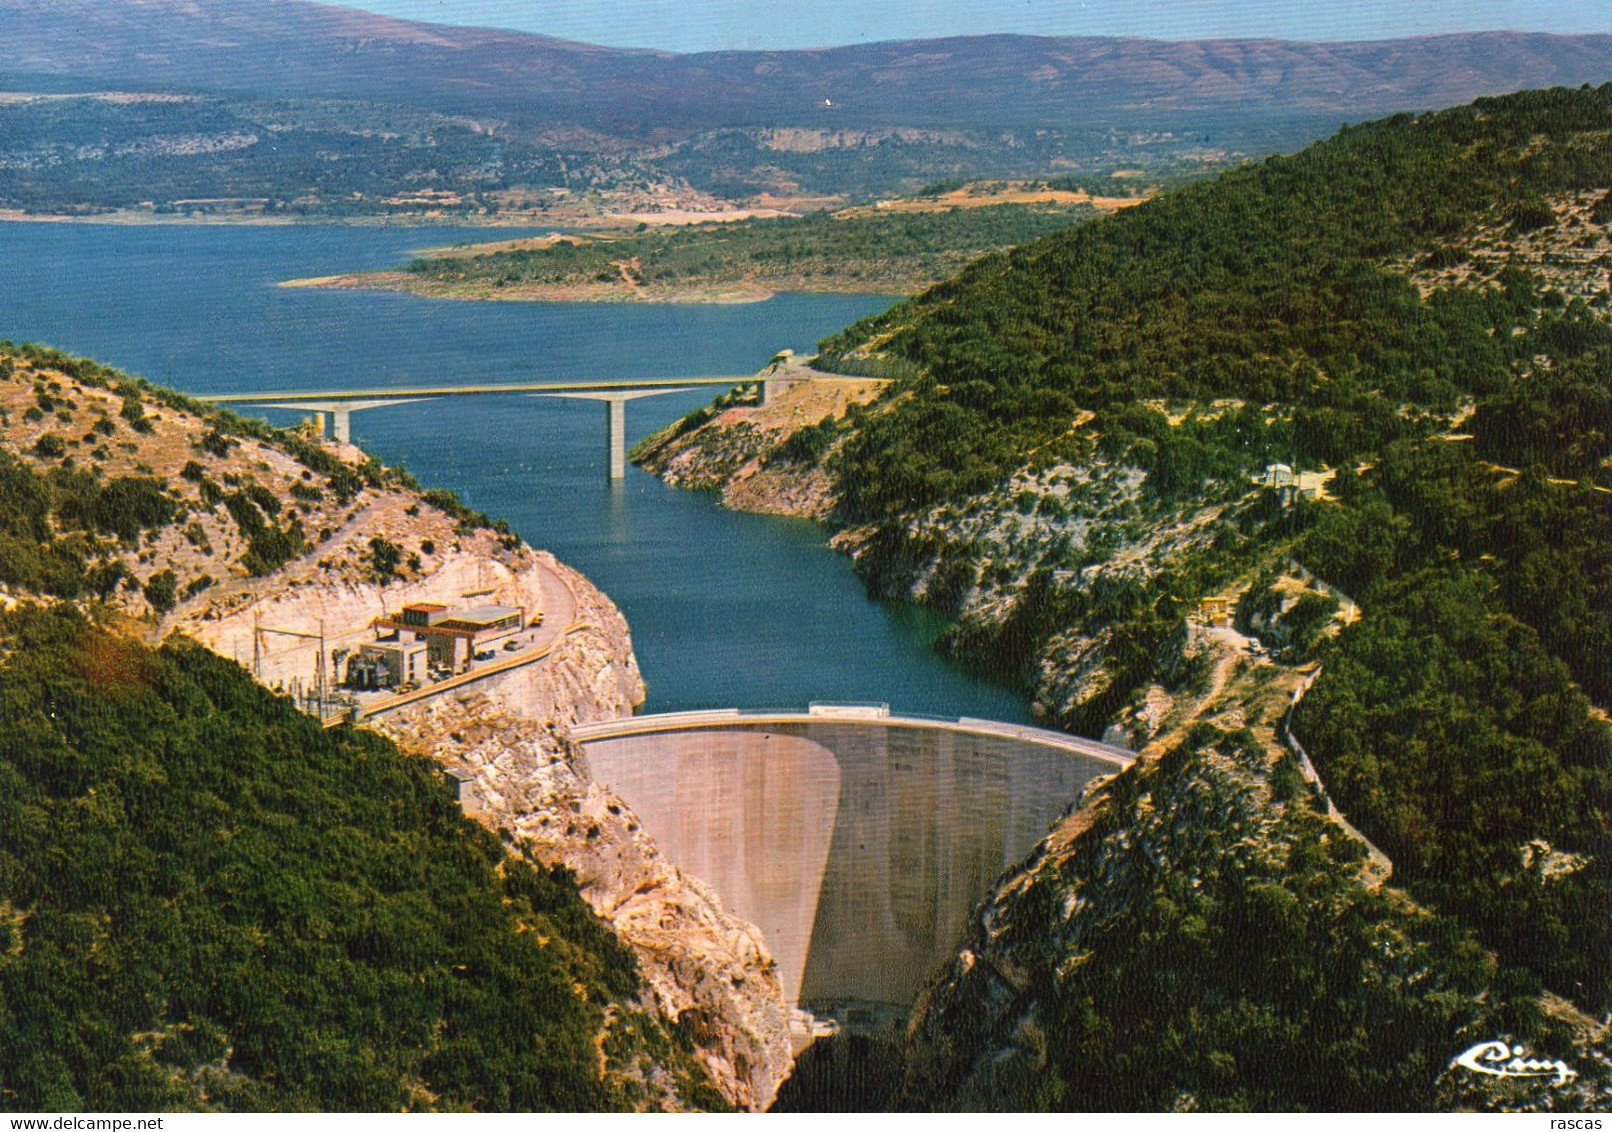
x: 726, y: 610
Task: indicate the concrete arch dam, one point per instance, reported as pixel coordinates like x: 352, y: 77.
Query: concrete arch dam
x: 857, y: 841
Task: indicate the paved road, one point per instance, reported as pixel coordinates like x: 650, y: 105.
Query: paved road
x: 465, y: 390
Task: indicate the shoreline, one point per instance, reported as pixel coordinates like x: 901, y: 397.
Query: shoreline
x: 625, y: 221
x: 715, y: 293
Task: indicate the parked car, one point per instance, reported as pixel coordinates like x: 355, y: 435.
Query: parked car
x: 511, y: 646
x: 484, y: 654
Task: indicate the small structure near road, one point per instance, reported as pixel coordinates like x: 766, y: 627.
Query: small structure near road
x: 1291, y: 485
x: 453, y: 636
x: 1215, y: 610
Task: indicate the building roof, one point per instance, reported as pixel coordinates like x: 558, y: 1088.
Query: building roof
x: 425, y: 607
x: 486, y: 614
x: 466, y: 623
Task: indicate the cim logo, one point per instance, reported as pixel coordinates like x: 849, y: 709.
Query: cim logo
x: 1500, y: 1059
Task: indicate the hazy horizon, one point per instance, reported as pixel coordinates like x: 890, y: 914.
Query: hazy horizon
x: 714, y: 25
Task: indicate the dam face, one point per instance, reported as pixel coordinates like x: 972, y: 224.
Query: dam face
x: 859, y: 848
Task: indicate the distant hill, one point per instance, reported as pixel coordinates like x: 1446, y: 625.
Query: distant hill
x: 290, y: 47
x: 471, y: 110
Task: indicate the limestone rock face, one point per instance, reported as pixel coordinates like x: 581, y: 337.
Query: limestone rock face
x: 708, y: 969
x: 744, y: 450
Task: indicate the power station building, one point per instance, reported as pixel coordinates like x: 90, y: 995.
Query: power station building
x: 386, y: 664
x: 452, y: 636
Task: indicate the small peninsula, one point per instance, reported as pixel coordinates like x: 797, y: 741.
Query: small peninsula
x: 893, y: 247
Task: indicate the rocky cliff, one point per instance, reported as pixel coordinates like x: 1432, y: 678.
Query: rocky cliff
x: 277, y: 552
x: 709, y: 971
x: 763, y: 457
x: 1206, y: 930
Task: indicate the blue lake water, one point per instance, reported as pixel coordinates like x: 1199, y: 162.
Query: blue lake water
x: 726, y: 609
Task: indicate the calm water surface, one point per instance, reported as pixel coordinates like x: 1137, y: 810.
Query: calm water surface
x: 726, y: 609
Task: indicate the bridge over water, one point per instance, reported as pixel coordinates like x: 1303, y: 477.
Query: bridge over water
x: 858, y: 841
x: 340, y: 404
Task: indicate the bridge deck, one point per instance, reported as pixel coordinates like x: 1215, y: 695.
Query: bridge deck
x: 468, y: 390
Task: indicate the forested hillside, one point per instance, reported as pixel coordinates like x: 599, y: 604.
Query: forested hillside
x: 207, y: 901
x: 1333, y: 430
x: 1417, y: 305
x: 1281, y: 282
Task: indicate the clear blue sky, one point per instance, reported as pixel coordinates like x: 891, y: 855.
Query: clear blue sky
x: 701, y: 25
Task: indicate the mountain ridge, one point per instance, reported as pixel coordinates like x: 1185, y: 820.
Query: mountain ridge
x: 298, y: 47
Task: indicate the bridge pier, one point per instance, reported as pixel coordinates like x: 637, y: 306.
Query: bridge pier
x: 616, y: 435
x: 773, y: 379
x: 615, y: 422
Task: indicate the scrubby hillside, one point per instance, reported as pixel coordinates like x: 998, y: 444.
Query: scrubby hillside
x: 121, y: 490
x: 1360, y: 400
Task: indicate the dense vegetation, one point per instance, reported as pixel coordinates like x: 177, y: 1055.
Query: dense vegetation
x: 893, y: 252
x: 1226, y: 962
x: 1448, y: 722
x: 1469, y: 421
x: 209, y: 901
x: 1270, y: 283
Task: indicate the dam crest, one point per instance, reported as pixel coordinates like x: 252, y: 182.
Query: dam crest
x: 857, y: 840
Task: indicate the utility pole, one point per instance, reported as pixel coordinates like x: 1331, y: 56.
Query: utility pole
x: 317, y: 695
x: 319, y: 669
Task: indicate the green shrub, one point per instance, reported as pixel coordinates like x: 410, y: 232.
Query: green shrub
x: 162, y: 591
x: 384, y: 558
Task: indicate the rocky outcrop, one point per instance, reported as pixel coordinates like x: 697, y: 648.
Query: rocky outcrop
x: 709, y: 971
x: 765, y: 458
